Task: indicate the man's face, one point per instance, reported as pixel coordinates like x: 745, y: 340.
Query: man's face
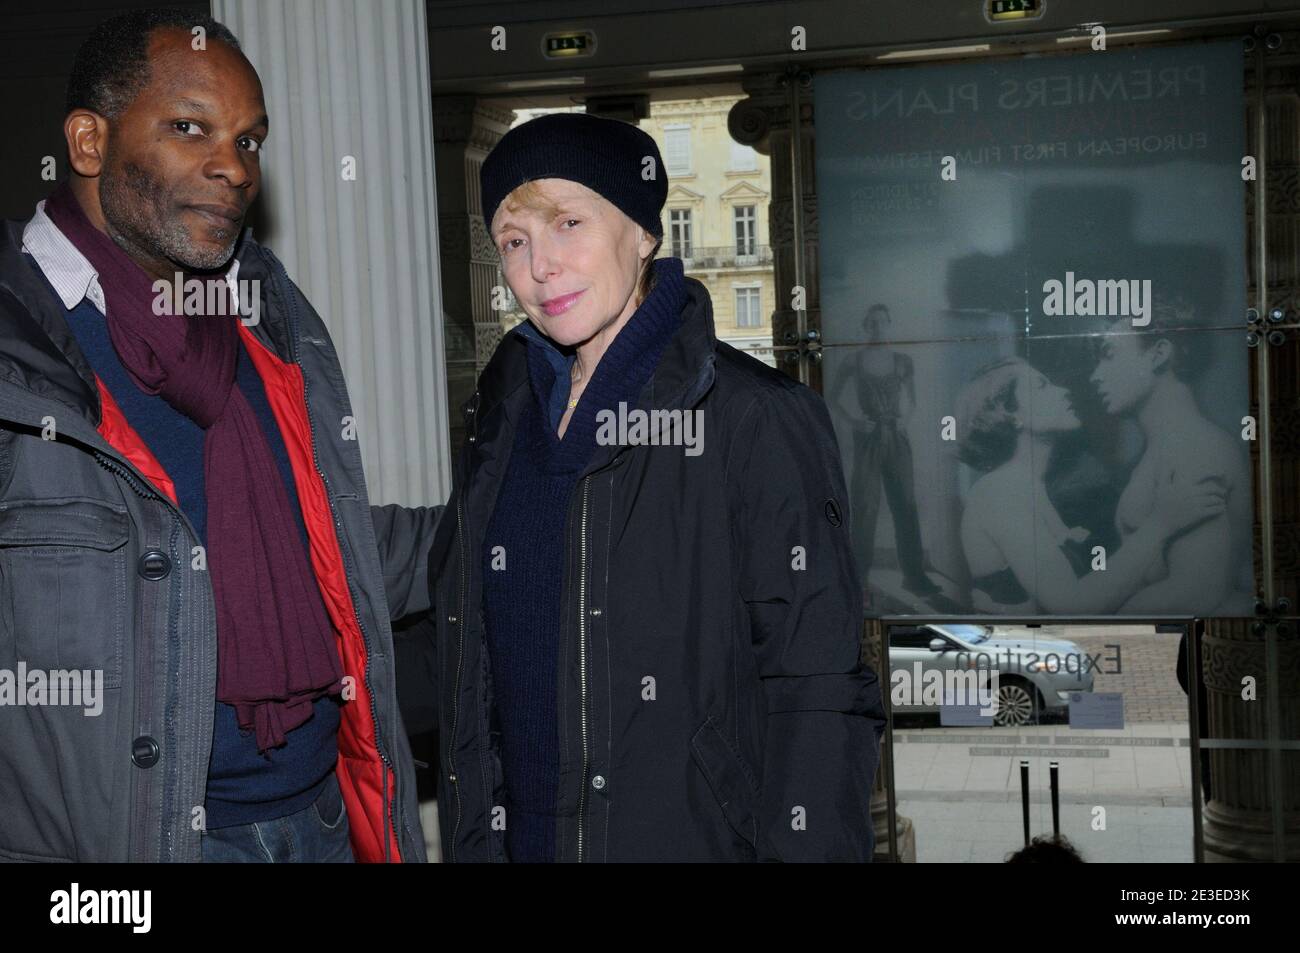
x: 181, y: 166
x: 877, y: 324
x: 1125, y: 373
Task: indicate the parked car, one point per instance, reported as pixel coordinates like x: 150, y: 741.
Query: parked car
x: 1035, y: 673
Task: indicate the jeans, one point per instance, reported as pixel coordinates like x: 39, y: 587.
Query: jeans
x: 316, y: 834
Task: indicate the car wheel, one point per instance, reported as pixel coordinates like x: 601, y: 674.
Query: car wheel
x: 1016, y: 705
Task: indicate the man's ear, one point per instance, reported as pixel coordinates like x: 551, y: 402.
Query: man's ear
x: 86, y: 133
x: 1160, y: 352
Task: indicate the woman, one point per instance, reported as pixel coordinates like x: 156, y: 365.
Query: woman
x: 1022, y: 558
x: 642, y: 653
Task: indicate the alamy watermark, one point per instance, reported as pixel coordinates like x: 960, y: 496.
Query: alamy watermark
x: 932, y: 688
x: 57, y: 686
x: 658, y: 428
x: 209, y: 296
x: 76, y: 906
x: 1105, y: 297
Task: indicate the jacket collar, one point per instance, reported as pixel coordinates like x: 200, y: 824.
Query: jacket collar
x: 681, y: 379
x: 41, y: 355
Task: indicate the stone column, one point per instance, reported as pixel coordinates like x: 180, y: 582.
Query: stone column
x: 1239, y: 819
x: 465, y: 131
x: 906, y: 832
x: 348, y: 204
x: 762, y: 120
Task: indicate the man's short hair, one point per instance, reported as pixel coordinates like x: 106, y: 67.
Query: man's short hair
x: 112, y: 66
x: 1174, y: 319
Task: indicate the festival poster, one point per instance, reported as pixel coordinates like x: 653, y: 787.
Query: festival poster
x: 1033, y: 294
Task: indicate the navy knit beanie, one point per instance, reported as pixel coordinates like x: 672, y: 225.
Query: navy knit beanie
x: 608, y: 156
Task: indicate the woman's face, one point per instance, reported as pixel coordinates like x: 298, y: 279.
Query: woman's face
x: 1047, y: 405
x: 576, y: 273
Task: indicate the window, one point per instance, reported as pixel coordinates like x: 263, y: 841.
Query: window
x: 677, y: 149
x: 679, y: 224
x: 743, y: 158
x: 747, y: 310
x: 911, y: 638
x: 746, y: 227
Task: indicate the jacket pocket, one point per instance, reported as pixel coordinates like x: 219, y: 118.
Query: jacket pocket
x: 20, y: 857
x: 329, y: 807
x: 63, y: 584
x: 729, y: 779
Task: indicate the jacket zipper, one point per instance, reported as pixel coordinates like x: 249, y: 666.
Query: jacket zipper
x: 390, y: 820
x: 460, y: 626
x: 111, y: 465
x: 582, y: 660
x: 582, y: 652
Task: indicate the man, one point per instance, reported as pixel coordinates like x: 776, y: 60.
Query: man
x: 882, y: 460
x: 182, y: 520
x: 1150, y: 376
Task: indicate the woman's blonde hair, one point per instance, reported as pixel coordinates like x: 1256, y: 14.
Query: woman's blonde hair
x: 530, y: 195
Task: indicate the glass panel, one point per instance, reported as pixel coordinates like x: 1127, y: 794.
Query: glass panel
x: 1031, y: 298
x: 1103, y: 704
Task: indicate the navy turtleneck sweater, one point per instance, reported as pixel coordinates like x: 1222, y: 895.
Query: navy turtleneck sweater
x: 522, y: 601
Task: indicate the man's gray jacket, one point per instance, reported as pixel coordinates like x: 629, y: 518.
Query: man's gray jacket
x: 97, y: 572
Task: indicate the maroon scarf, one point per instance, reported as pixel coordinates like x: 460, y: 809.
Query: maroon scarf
x: 276, y: 651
